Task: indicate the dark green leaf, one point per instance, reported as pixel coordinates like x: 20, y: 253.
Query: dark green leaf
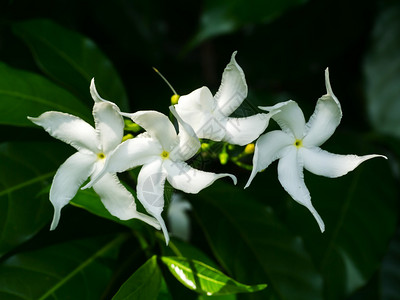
x: 382, y: 72
x: 390, y: 271
x: 72, y: 59
x: 204, y: 279
x: 26, y: 94
x: 89, y: 200
x: 71, y: 270
x: 253, y: 246
x: 360, y: 213
x: 178, y: 247
x: 221, y: 17
x: 25, y: 169
x: 143, y: 284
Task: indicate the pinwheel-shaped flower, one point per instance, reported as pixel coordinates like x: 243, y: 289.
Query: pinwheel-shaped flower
x: 163, y: 153
x: 297, y: 147
x: 93, y: 145
x: 209, y: 116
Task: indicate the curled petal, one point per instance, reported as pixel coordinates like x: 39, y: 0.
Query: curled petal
x: 189, y: 180
x: 189, y: 143
x: 96, y: 97
x: 109, y: 124
x: 127, y: 155
x: 324, y: 163
x: 150, y: 191
x: 197, y: 109
x: 69, y: 129
x: 157, y: 125
x: 290, y: 175
x: 69, y: 177
x: 119, y: 201
x: 268, y: 148
x: 233, y: 89
x: 325, y: 119
x: 242, y: 131
x: 290, y: 117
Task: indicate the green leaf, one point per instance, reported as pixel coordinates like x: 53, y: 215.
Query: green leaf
x: 390, y: 271
x: 222, y: 17
x: 359, y: 211
x: 382, y: 72
x: 72, y: 60
x: 177, y: 247
x: 253, y: 246
x: 204, y: 279
x: 144, y: 284
x: 71, y: 270
x: 27, y: 94
x: 25, y: 169
x: 90, y: 201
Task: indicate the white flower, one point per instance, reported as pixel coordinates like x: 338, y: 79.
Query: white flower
x: 297, y: 147
x: 93, y: 145
x: 209, y: 116
x: 163, y: 153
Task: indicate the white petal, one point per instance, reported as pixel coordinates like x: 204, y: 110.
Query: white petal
x: 325, y: 119
x: 233, y: 89
x: 69, y: 177
x: 290, y: 117
x: 197, y: 109
x: 324, y: 163
x: 96, y: 97
x: 189, y: 180
x: 69, y: 129
x: 129, y: 154
x: 119, y: 201
x: 157, y: 125
x: 242, y: 131
x: 268, y: 148
x: 290, y: 175
x: 109, y: 124
x: 189, y: 143
x: 150, y: 191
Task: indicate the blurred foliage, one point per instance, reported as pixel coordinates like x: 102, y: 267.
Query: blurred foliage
x: 50, y: 50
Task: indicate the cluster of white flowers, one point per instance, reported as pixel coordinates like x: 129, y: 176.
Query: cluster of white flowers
x: 162, y: 152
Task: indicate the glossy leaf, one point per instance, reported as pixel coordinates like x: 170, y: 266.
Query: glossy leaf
x: 177, y: 247
x: 144, y: 284
x: 27, y: 94
x: 222, y: 17
x: 359, y: 210
x: 25, y: 169
x: 72, y: 59
x: 253, y: 246
x: 71, y: 270
x: 90, y: 201
x: 382, y: 72
x: 204, y: 279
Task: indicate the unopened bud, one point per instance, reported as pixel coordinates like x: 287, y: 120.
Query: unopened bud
x: 129, y: 125
x: 205, y: 146
x: 249, y: 149
x: 223, y: 158
x: 174, y: 99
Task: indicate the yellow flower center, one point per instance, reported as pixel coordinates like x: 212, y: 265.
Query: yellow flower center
x: 101, y: 155
x: 165, y: 154
x: 298, y: 143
